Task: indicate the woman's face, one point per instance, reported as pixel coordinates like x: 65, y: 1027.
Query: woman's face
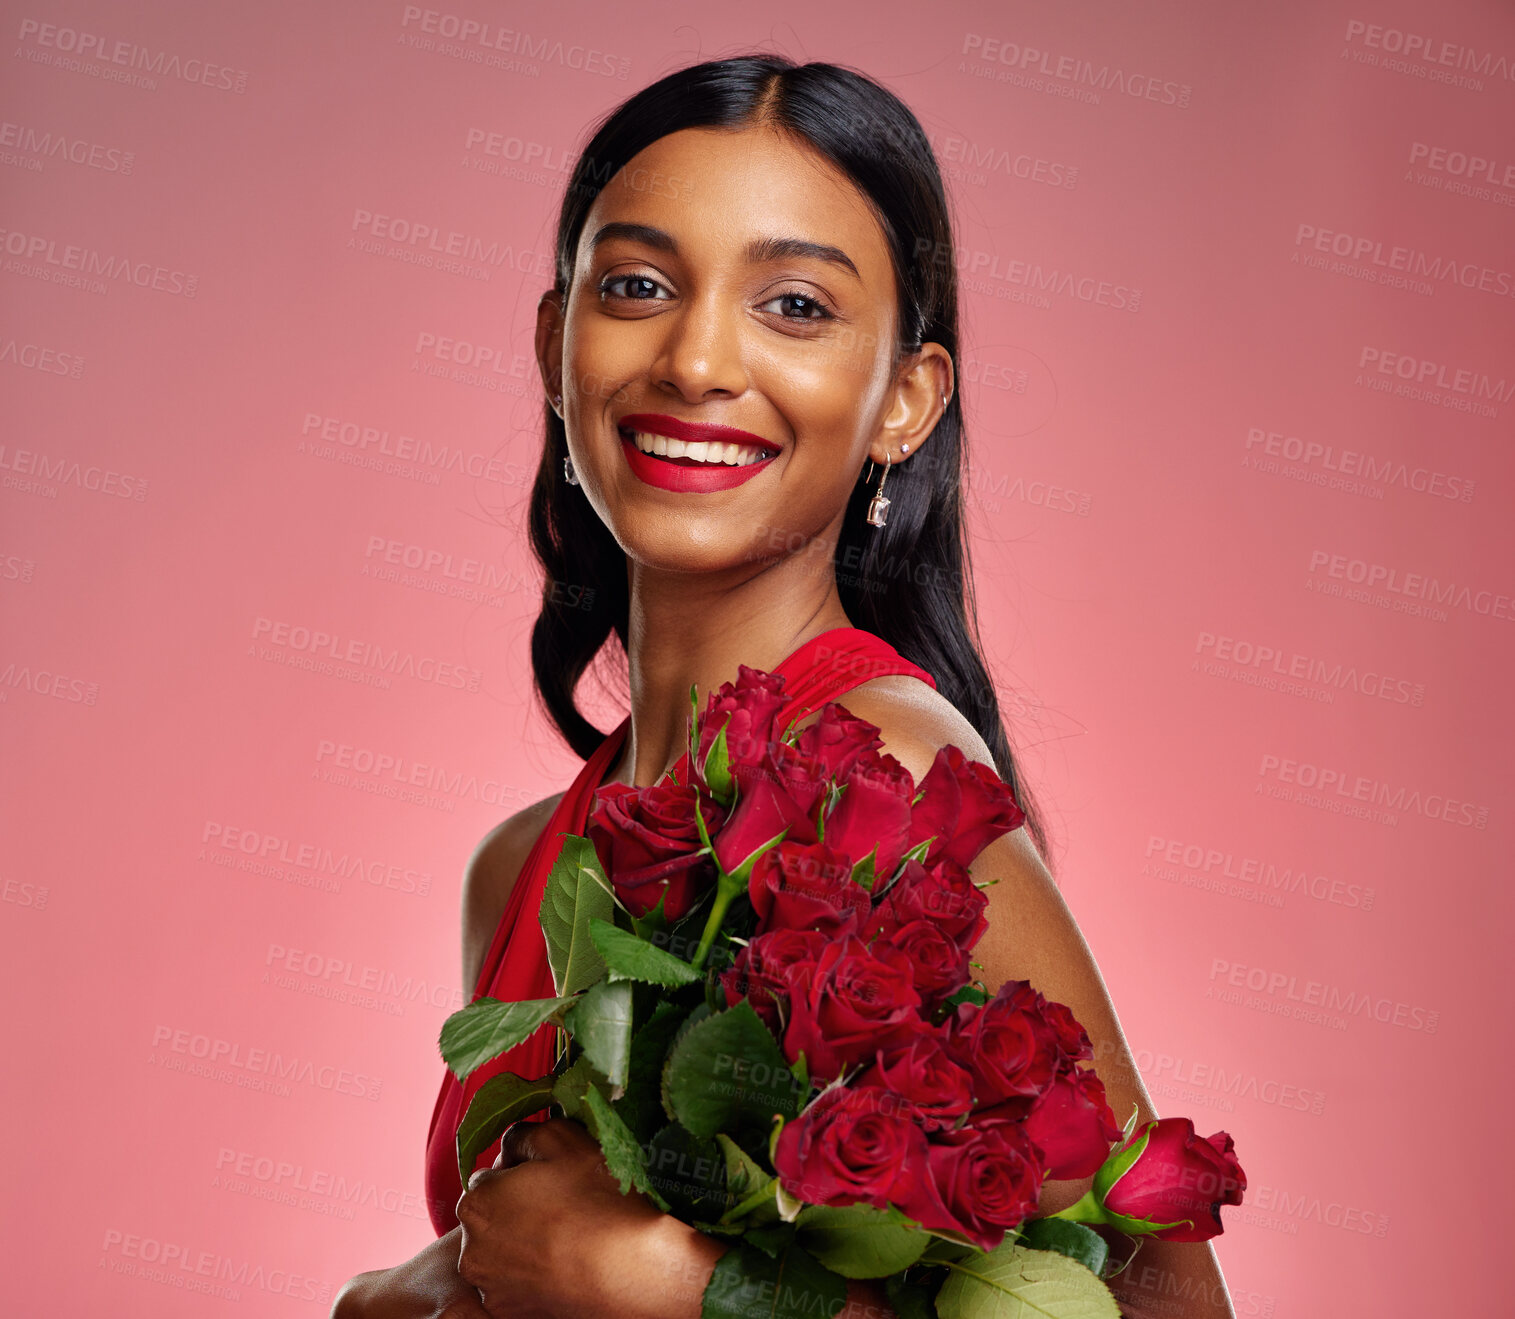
x: 674, y: 312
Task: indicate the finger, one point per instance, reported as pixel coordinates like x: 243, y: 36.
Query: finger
x: 526, y: 1141
x: 478, y: 1176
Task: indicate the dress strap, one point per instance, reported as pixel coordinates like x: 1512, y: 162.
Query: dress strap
x: 836, y: 661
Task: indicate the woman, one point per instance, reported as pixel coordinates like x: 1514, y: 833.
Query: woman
x: 761, y: 246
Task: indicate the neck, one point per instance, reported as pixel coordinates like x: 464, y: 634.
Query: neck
x: 695, y: 628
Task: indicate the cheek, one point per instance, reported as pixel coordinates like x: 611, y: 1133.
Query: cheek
x: 598, y: 362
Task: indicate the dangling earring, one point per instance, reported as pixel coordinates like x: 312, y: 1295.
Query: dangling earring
x: 878, y: 504
x: 569, y: 474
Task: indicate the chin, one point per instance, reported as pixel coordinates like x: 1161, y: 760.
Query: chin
x: 677, y: 546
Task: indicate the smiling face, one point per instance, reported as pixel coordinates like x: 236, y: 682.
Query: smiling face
x: 731, y: 278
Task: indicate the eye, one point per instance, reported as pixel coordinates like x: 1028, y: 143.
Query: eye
x: 639, y: 281
x: 813, y: 308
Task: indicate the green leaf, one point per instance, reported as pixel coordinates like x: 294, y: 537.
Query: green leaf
x: 641, y: 1106
x: 943, y: 1251
x: 488, y: 1026
x: 623, y: 1156
x: 909, y: 1300
x: 688, y: 1172
x: 801, y: 1069
x: 753, y: 1189
x: 1118, y: 1162
x: 501, y: 1100
x: 862, y: 872
x: 748, y: 1283
x: 725, y: 1070
x: 717, y: 772
x: 859, y: 1241
x: 569, y: 1089
x: 1011, y: 1282
x: 628, y: 957
x: 743, y: 1173
x: 969, y: 994
x: 770, y: 1238
x: 825, y: 806
x: 916, y: 853
x: 1071, y: 1239
x: 600, y: 1023
x: 576, y: 892
x: 651, y: 923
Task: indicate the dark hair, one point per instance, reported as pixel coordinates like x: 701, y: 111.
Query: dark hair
x: 908, y: 582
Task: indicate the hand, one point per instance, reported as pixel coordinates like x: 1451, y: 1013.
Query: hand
x: 547, y: 1234
x: 425, y: 1287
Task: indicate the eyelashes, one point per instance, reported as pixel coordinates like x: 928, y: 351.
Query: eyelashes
x: 822, y: 310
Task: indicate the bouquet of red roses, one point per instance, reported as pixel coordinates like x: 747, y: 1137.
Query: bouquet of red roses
x: 771, y: 1025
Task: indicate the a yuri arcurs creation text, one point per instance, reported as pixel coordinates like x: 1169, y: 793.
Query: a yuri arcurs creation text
x: 769, y: 1020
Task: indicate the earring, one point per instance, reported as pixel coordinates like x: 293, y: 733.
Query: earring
x: 557, y: 400
x: 569, y: 474
x: 878, y: 504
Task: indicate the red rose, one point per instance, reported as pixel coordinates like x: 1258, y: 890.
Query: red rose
x: 1072, y: 1125
x: 803, y: 777
x: 850, y: 1003
x: 873, y: 812
x: 1007, y: 1045
x: 762, y: 812
x: 924, y: 1074
x: 988, y: 1179
x: 647, y: 840
x: 761, y: 972
x: 746, y: 711
x: 838, y: 739
x: 853, y: 1145
x: 944, y: 895
x: 805, y: 886
x: 937, y: 965
x: 1072, y: 1038
x: 1178, y: 1176
x: 965, y: 804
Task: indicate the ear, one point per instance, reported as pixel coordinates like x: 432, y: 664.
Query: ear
x: 549, y: 342
x: 921, y: 390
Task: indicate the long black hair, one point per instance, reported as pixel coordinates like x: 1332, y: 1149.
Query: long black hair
x: 908, y: 582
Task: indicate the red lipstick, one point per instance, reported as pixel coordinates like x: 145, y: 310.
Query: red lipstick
x: 677, y: 475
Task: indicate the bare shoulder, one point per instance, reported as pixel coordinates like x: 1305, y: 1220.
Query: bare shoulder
x: 490, y: 875
x: 916, y: 722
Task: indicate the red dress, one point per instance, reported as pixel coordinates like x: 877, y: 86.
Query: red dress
x: 515, y: 967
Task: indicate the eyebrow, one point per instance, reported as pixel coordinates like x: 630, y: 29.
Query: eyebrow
x: 757, y: 252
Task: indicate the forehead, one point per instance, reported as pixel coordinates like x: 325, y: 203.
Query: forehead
x: 715, y: 189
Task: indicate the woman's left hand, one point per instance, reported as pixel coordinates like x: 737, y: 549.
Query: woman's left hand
x: 547, y: 1234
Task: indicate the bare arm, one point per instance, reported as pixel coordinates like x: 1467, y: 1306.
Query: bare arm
x: 426, y: 1287
x: 1032, y: 936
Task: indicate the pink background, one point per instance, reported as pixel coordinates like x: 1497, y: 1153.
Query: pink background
x: 1173, y: 601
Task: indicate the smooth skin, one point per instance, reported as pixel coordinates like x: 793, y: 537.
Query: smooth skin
x: 679, y: 316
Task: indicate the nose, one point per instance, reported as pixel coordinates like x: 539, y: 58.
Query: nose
x: 700, y: 355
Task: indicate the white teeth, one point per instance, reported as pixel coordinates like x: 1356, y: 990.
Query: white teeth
x: 701, y: 451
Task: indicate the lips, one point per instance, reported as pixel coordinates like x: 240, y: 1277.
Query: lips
x: 690, y: 476
x: 656, y: 423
